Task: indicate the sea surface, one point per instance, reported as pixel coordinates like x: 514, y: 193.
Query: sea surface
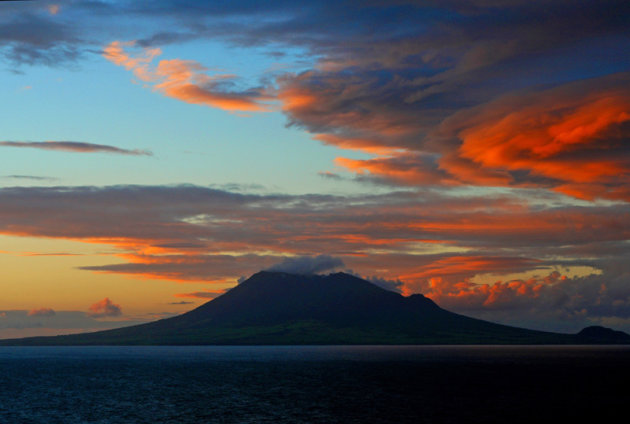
x: 314, y: 384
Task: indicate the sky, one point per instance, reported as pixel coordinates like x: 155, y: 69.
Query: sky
x: 153, y: 156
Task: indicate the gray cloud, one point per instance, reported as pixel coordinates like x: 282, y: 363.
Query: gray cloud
x: 28, y: 177
x: 391, y: 285
x: 308, y: 264
x: 30, y: 37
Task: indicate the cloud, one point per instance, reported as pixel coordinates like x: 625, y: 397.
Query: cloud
x: 307, y: 264
x: 75, y: 147
x: 41, y: 312
x: 391, y: 285
x: 28, y: 177
x: 30, y: 38
x: 416, y: 85
x: 199, y: 295
x: 456, y: 101
x: 183, y: 302
x: 53, y: 9
x: 330, y: 175
x: 187, y: 80
x: 429, y: 241
x: 104, y: 308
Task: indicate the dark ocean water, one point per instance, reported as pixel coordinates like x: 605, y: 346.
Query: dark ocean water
x: 323, y: 384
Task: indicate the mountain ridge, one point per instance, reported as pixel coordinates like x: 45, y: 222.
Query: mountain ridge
x: 277, y: 308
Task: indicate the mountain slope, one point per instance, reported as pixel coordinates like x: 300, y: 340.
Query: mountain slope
x: 280, y: 308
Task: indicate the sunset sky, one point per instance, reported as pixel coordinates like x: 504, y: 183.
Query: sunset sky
x: 473, y: 151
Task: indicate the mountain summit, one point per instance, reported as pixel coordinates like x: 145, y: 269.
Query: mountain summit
x: 281, y: 308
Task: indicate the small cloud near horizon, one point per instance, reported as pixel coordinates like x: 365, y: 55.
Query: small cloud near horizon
x: 104, y: 308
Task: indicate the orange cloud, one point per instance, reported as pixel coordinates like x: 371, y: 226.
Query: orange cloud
x: 42, y: 312
x: 563, y: 134
x: 104, y: 308
x: 500, y: 295
x: 53, y: 9
x: 568, y: 139
x: 186, y: 80
x: 462, y: 267
x: 397, y: 168
x: 115, y: 53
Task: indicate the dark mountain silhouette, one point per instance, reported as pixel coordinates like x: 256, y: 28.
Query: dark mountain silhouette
x: 281, y: 308
x: 598, y: 334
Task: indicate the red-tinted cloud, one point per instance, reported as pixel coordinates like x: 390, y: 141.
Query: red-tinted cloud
x: 569, y: 139
x: 104, y: 308
x: 186, y: 80
x: 41, y: 312
x: 425, y: 242
x: 499, y: 295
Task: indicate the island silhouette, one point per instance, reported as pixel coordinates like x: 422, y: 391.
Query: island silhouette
x: 278, y: 308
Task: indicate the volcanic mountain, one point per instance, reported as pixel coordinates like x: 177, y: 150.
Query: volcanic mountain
x: 285, y: 309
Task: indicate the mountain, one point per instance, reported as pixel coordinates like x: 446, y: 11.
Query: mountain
x: 280, y: 308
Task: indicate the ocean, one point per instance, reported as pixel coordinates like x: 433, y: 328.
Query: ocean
x: 314, y: 384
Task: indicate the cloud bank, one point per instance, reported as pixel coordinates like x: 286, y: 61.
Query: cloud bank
x: 488, y: 254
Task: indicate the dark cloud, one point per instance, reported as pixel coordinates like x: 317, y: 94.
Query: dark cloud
x: 74, y: 146
x: 33, y: 37
x: 391, y: 285
x: 183, y: 302
x: 200, y: 295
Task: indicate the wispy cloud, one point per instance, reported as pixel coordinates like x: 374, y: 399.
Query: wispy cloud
x: 198, y: 295
x: 28, y: 177
x: 75, y: 147
x: 187, y: 80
